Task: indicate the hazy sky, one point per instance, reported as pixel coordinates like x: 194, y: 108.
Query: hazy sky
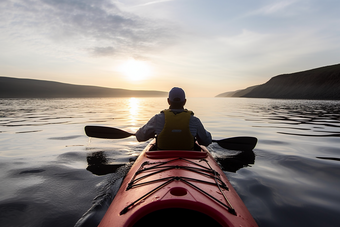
x: 205, y: 46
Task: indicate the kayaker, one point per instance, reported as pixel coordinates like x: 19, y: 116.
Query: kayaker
x: 175, y: 128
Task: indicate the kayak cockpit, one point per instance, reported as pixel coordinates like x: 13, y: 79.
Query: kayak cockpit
x: 175, y: 154
x: 154, y: 153
x: 152, y: 146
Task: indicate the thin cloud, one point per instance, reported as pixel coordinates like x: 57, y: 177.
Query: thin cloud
x: 277, y: 8
x: 154, y: 2
x: 103, y: 51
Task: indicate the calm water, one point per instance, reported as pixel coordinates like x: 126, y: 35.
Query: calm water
x: 291, y: 179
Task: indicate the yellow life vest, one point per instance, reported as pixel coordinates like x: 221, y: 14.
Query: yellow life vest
x: 176, y: 134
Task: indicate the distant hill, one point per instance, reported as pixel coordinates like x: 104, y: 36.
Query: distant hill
x: 241, y: 93
x: 29, y: 88
x: 227, y: 94
x: 319, y: 83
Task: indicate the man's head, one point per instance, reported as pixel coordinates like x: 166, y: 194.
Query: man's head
x: 176, y: 98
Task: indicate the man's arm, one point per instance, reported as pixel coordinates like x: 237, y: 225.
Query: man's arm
x: 147, y: 131
x: 203, y: 136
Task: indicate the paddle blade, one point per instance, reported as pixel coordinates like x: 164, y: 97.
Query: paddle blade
x: 106, y: 132
x: 241, y: 143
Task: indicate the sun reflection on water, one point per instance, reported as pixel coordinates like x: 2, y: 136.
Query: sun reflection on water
x: 133, y: 106
x: 134, y: 111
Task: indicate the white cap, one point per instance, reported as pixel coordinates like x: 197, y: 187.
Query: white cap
x: 177, y: 95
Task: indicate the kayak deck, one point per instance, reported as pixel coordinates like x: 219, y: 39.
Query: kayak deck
x: 179, y: 188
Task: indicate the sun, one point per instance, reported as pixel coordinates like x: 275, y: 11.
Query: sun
x: 136, y: 70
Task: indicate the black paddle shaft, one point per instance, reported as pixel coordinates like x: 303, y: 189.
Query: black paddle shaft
x: 241, y: 143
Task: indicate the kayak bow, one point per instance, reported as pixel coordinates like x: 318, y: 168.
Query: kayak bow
x: 176, y: 188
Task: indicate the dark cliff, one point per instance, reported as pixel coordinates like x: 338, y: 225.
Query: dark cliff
x: 319, y: 83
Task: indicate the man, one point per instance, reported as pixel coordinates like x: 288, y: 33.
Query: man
x: 175, y: 128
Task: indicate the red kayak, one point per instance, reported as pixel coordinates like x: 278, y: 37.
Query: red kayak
x: 176, y: 188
